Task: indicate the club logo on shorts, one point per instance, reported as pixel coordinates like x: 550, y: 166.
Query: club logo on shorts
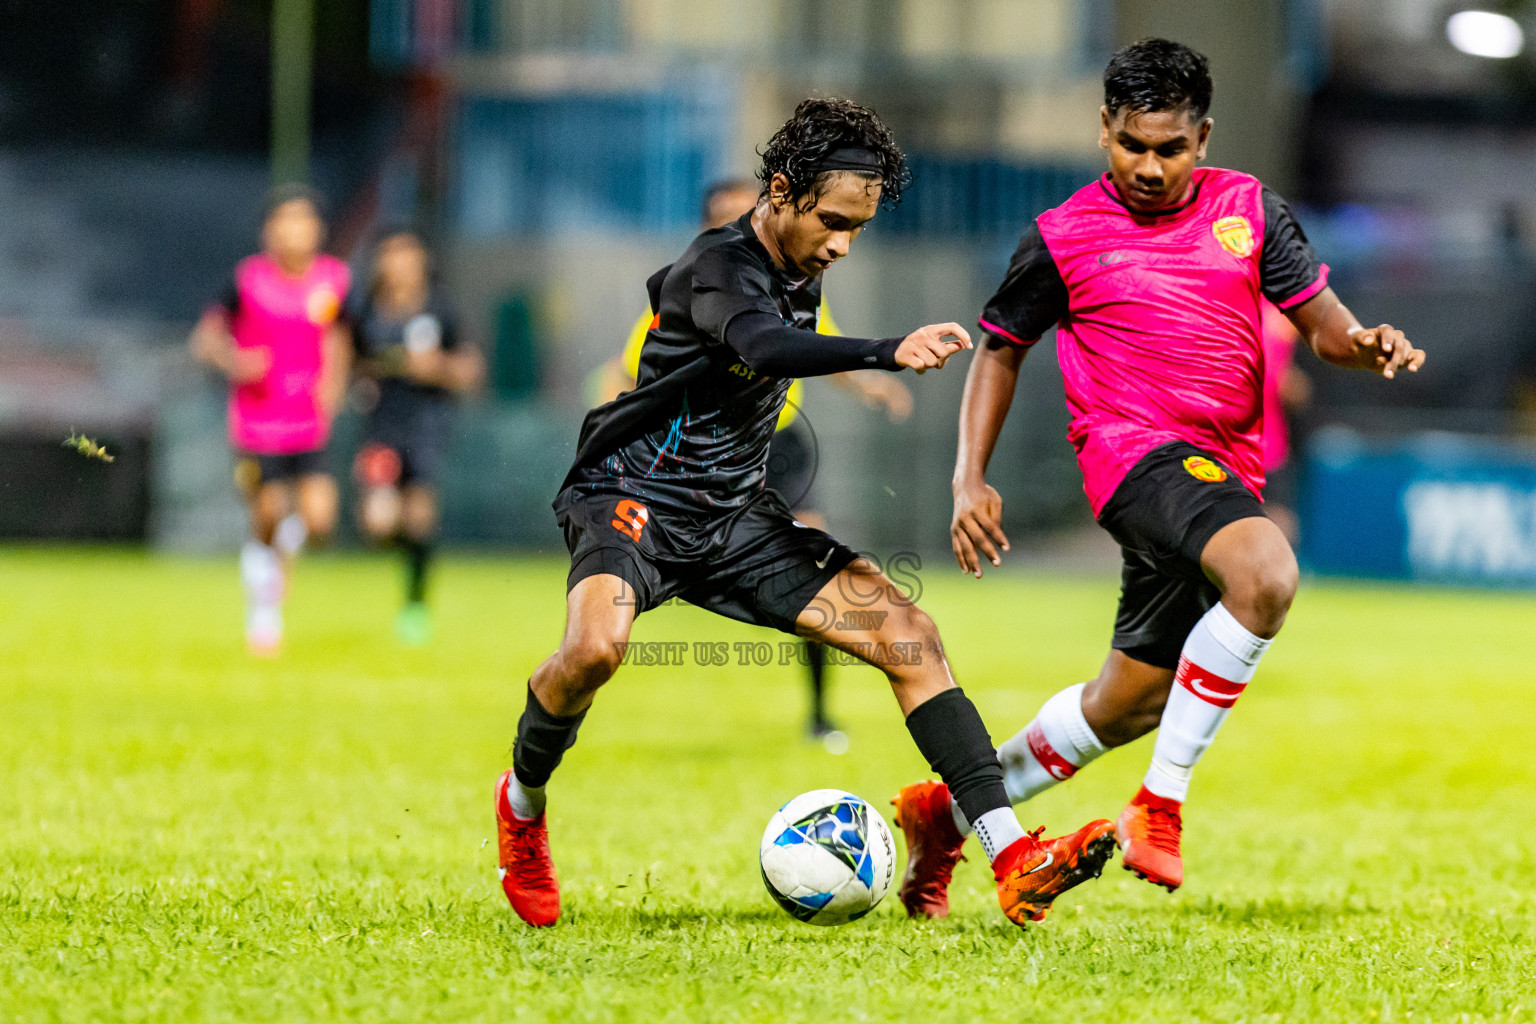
x: 1204, y: 470
x: 1235, y: 235
x: 631, y: 517
x: 322, y: 306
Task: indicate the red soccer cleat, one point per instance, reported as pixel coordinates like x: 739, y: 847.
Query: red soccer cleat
x: 933, y: 848
x: 1032, y: 872
x: 526, y: 870
x: 1148, y: 831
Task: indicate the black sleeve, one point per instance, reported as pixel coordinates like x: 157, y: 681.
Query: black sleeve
x: 1289, y: 271
x: 229, y: 297
x: 1032, y: 296
x: 450, y: 328
x: 354, y: 314
x: 775, y: 350
x: 726, y: 283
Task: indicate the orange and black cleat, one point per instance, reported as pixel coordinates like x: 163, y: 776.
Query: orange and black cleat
x: 527, y: 872
x: 933, y: 848
x: 1032, y: 872
x: 1148, y: 832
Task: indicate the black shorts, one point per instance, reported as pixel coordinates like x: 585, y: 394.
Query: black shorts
x: 1168, y: 507
x: 254, y: 469
x: 792, y: 465
x: 756, y: 564
x: 405, y: 448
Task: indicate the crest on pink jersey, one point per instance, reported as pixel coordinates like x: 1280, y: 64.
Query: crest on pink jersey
x: 1235, y: 235
x: 322, y: 305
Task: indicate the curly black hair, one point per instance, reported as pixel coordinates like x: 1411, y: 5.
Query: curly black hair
x: 1158, y: 74
x: 820, y: 126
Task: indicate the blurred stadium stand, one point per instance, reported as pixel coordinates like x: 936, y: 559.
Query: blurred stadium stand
x: 558, y: 148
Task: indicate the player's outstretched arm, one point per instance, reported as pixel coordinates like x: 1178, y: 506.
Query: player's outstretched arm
x: 775, y: 350
x: 335, y: 369
x: 977, y: 526
x: 1337, y: 337
x: 212, y: 344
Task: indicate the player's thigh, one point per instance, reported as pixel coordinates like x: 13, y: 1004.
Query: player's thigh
x: 1250, y: 558
x: 318, y: 501
x: 599, y: 612
x: 270, y: 501
x: 861, y: 611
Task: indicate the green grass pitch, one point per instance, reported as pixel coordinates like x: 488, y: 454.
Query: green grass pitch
x: 188, y: 835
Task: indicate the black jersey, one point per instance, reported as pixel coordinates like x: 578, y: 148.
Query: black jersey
x: 383, y: 340
x: 693, y: 435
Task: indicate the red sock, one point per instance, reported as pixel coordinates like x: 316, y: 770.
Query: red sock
x: 1146, y: 798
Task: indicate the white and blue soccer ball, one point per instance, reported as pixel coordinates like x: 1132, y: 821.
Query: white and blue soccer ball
x: 827, y: 857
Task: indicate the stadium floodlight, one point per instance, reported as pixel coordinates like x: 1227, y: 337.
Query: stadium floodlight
x: 1485, y: 34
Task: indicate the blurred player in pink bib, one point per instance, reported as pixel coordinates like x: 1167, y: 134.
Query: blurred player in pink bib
x: 1154, y: 276
x: 275, y: 334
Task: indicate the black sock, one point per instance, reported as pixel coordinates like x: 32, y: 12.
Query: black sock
x: 418, y: 553
x: 542, y: 740
x: 816, y: 658
x: 948, y: 730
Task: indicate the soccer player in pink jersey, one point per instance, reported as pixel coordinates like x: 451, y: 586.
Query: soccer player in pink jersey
x: 275, y: 334
x: 1154, y: 276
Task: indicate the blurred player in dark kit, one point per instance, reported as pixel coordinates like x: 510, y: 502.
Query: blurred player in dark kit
x: 1155, y: 276
x: 667, y: 497
x: 792, y: 452
x: 412, y: 365
x: 276, y: 334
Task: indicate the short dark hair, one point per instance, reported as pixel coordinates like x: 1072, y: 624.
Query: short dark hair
x: 390, y: 230
x: 820, y: 126
x: 1158, y: 74
x: 715, y: 189
x: 290, y: 192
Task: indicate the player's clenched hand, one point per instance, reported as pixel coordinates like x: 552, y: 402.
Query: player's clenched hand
x: 977, y: 526
x: 927, y: 348
x: 1386, y: 350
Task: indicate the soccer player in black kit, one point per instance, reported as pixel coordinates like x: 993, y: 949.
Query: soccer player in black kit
x: 408, y: 349
x: 667, y: 499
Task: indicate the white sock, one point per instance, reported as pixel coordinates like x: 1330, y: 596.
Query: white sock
x: 1217, y: 662
x: 262, y: 573
x: 290, y: 535
x: 1051, y: 748
x: 997, y: 829
x: 526, y: 803
x: 264, y: 623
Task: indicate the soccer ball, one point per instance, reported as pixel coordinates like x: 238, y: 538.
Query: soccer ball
x: 827, y: 857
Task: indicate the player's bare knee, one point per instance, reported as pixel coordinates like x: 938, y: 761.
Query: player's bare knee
x: 1261, y: 597
x: 318, y: 530
x: 377, y: 520
x: 911, y: 631
x: 590, y: 661
x: 418, y: 514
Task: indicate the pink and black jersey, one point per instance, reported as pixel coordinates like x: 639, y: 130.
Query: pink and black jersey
x: 289, y: 317
x: 1158, y: 318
